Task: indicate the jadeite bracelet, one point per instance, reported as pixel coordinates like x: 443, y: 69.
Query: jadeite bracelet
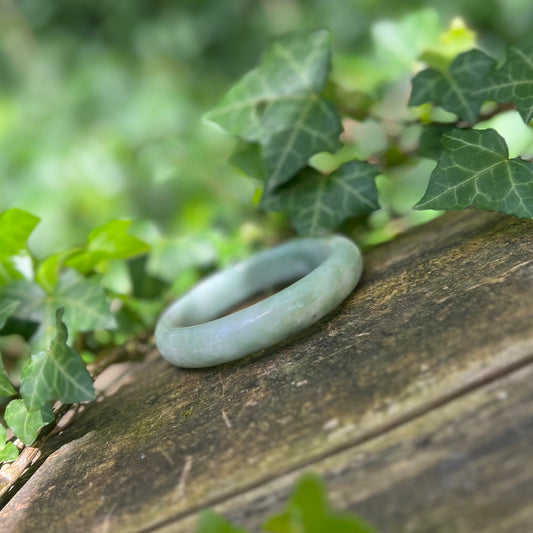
x: 189, y: 334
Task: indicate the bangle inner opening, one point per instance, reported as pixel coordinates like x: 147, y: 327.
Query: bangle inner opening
x: 248, y: 282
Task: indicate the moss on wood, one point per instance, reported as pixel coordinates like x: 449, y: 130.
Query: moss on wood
x: 439, y: 311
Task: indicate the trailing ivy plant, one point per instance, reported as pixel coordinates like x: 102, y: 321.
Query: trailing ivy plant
x: 282, y: 116
x: 38, y: 299
x: 109, y: 288
x: 288, y: 114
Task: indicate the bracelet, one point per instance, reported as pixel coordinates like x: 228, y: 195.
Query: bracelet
x: 189, y: 334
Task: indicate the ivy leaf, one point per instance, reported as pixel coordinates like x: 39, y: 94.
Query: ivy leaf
x: 249, y: 160
x: 430, y: 144
x: 308, y: 510
x: 85, y: 303
x: 6, y: 389
x: 311, y: 127
x: 6, y: 310
x: 513, y: 81
x: 475, y: 170
x: 293, y: 65
x: 317, y: 204
x: 8, y: 271
x: 8, y: 451
x: 84, y: 300
x: 110, y: 241
x: 460, y: 90
x: 56, y: 374
x: 49, y: 270
x: 210, y: 522
x: 15, y: 228
x: 26, y: 299
x: 279, y: 106
x: 144, y: 285
x: 26, y: 424
x: 18, y: 266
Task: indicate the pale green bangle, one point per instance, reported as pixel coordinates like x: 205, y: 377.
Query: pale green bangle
x: 189, y: 334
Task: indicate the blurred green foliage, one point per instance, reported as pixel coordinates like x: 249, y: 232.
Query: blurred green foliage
x: 101, y: 102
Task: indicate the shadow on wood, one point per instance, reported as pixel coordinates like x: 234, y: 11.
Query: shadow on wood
x: 412, y: 400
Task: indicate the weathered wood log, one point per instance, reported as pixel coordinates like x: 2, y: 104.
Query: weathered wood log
x: 412, y: 401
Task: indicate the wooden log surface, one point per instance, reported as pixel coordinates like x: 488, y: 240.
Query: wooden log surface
x: 412, y: 400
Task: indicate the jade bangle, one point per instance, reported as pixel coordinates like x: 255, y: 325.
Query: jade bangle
x: 189, y: 334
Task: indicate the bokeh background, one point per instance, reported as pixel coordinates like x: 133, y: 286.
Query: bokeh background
x: 101, y: 102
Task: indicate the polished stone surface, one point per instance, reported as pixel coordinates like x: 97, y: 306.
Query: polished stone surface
x: 190, y: 335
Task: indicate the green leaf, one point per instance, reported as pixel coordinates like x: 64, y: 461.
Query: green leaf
x: 49, y: 270
x: 310, y: 128
x: 513, y: 81
x: 279, y: 106
x: 56, y: 374
x: 248, y: 159
x: 84, y: 300
x: 475, y: 170
x: 7, y: 308
x: 28, y: 300
x: 308, y: 510
x: 26, y: 424
x: 8, y: 452
x: 6, y: 389
x: 15, y: 228
x: 85, y: 303
x: 210, y: 522
x: 144, y: 285
x: 317, y: 204
x: 460, y: 90
x: 110, y: 241
x: 12, y: 267
x: 293, y: 65
x: 430, y: 144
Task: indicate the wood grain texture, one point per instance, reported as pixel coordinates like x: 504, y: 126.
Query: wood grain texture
x: 440, y: 312
x: 466, y: 467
